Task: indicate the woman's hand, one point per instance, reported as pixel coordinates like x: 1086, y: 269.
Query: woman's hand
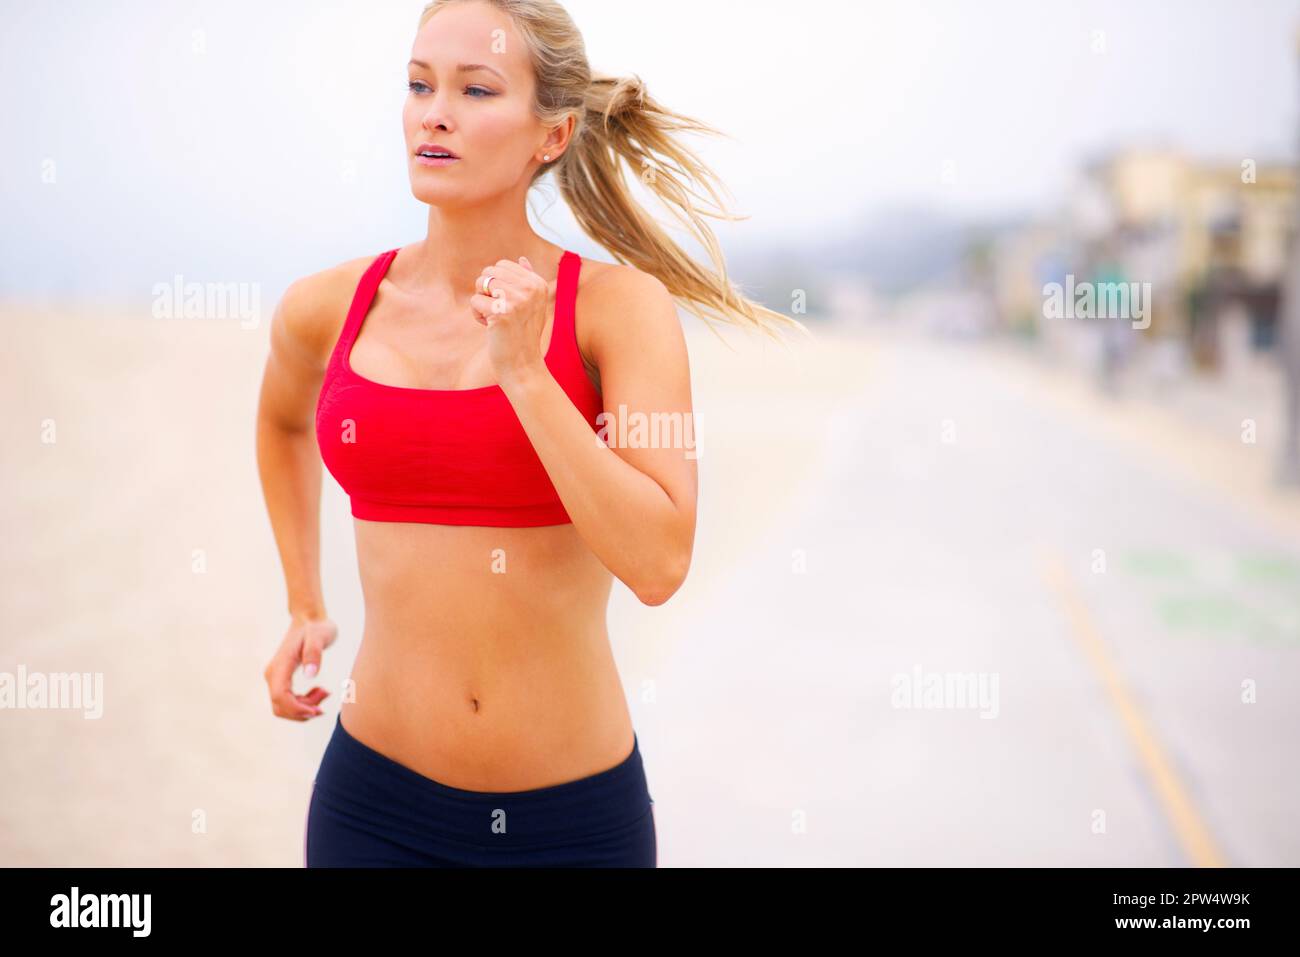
x: 515, y: 315
x: 303, y: 644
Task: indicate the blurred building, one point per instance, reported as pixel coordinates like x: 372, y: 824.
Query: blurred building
x: 1211, y: 239
x: 1022, y: 261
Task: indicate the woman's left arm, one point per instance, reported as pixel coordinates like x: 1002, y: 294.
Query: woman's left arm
x: 635, y: 506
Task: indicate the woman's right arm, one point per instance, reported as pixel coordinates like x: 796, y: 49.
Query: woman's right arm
x: 289, y: 465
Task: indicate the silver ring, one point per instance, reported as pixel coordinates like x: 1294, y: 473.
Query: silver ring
x: 487, y: 284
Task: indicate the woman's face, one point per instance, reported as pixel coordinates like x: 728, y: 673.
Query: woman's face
x: 482, y: 114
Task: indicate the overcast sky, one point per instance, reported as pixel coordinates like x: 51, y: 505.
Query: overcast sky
x: 262, y: 140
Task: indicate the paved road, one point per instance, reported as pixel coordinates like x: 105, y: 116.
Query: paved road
x: 1137, y: 637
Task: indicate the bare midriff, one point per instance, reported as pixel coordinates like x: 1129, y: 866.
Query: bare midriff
x: 485, y: 662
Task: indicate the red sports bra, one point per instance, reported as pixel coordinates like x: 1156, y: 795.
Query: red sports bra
x: 444, y: 456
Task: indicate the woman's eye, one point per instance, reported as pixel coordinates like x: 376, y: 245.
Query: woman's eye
x: 415, y: 86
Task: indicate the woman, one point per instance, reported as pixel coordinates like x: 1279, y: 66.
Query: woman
x: 485, y: 722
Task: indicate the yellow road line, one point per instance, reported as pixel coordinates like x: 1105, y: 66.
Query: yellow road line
x: 1191, y: 830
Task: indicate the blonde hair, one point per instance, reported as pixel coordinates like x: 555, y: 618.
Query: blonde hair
x: 617, y: 119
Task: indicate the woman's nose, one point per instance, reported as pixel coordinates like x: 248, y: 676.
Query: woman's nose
x: 436, y: 116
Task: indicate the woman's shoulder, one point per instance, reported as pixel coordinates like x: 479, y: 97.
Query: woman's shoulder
x: 314, y: 307
x: 613, y: 292
x: 611, y: 295
x: 604, y: 278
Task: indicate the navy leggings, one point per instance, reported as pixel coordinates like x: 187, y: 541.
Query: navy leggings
x: 367, y: 810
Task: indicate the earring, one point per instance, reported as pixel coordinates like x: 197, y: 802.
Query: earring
x: 546, y: 158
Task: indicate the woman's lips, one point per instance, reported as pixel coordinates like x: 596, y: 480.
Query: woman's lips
x: 436, y: 161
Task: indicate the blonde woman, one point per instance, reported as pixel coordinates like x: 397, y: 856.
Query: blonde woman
x: 454, y: 387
